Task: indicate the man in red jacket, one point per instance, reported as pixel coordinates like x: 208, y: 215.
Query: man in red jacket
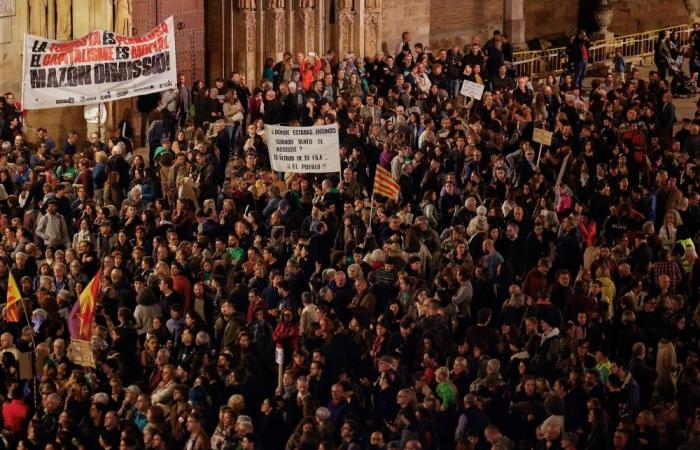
x: 14, y: 413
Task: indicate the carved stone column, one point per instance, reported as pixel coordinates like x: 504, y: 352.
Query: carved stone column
x: 692, y: 7
x: 275, y: 30
x: 345, y: 21
x: 514, y: 22
x: 245, y: 19
x: 373, y: 32
x: 305, y: 26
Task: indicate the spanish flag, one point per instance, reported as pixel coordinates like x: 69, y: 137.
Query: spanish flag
x: 13, y: 299
x: 385, y: 185
x: 83, y: 313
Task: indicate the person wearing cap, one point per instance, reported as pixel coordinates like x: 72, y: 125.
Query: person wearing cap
x: 127, y: 410
x: 52, y: 228
x: 105, y: 240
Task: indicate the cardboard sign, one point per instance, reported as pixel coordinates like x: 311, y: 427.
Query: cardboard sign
x: 542, y: 136
x: 25, y: 366
x: 471, y: 89
x: 80, y: 352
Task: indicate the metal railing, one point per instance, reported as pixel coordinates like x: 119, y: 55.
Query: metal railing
x: 540, y: 63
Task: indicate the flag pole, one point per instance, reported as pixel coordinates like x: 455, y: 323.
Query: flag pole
x: 29, y: 323
x: 371, y: 212
x: 35, y: 355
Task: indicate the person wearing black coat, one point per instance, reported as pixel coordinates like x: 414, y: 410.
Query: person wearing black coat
x: 145, y: 104
x: 208, y: 108
x: 319, y: 245
x: 273, y: 108
x: 205, y: 177
x: 598, y: 438
x: 474, y: 57
x: 273, y: 429
x: 643, y: 374
x: 224, y: 141
x: 117, y: 163
x: 290, y: 109
x: 569, y: 253
x: 641, y: 256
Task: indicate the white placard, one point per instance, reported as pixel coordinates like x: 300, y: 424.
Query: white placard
x: 279, y: 355
x: 471, y: 89
x: 98, y: 67
x: 304, y: 149
x: 562, y: 169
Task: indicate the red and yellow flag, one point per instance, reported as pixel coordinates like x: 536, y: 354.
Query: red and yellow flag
x: 13, y: 299
x: 83, y: 313
x: 385, y: 185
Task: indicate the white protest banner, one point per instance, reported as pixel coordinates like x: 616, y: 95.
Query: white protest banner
x: 304, y: 149
x: 471, y: 89
x: 542, y: 136
x: 562, y: 169
x: 98, y: 67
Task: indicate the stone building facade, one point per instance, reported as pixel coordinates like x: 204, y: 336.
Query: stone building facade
x: 250, y: 31
x: 216, y: 37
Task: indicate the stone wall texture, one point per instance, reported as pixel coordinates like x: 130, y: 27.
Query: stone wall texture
x: 455, y: 21
x: 633, y: 16
x: 404, y: 15
x: 548, y: 18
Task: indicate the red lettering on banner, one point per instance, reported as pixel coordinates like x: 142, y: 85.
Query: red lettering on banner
x: 157, y: 32
x: 78, y: 56
x: 159, y: 44
x: 92, y: 39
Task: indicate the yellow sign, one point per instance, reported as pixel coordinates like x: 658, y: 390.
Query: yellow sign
x: 80, y: 352
x: 542, y: 136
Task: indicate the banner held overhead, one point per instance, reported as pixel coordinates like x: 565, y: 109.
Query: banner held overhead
x: 99, y: 67
x: 304, y: 149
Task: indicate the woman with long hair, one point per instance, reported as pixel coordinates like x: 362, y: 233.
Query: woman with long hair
x: 233, y: 109
x: 599, y: 437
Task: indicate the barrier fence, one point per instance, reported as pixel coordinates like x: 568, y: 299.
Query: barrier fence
x: 540, y: 63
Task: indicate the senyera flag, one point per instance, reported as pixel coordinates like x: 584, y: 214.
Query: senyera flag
x: 13, y: 299
x: 385, y: 185
x: 99, y: 67
x: 83, y: 313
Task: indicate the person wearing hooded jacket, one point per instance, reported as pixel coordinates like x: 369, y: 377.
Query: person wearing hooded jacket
x: 545, y: 358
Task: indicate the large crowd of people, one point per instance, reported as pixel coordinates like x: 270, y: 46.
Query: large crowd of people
x: 515, y: 296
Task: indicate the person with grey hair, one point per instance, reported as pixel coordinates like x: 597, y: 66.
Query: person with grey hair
x: 47, y: 424
x: 202, y: 339
x: 7, y: 345
x: 479, y: 223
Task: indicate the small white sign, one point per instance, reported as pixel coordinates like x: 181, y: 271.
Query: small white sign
x: 279, y: 355
x: 471, y: 89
